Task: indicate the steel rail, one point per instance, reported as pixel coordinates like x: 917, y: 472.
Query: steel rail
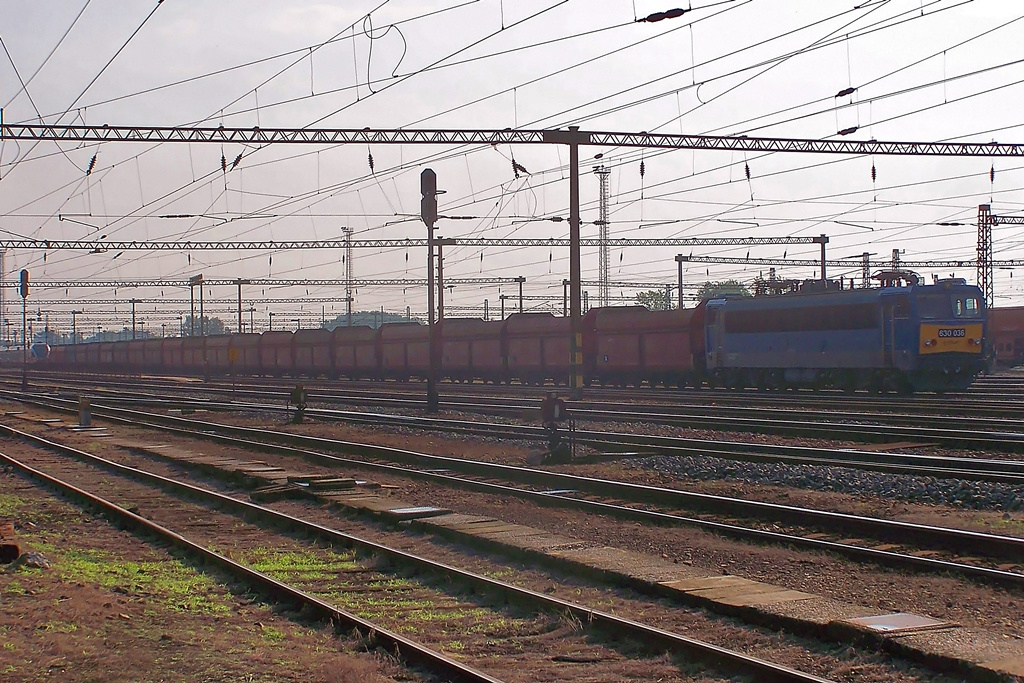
x: 408, y: 649
x: 565, y: 499
x: 943, y: 538
x: 735, y: 661
x: 782, y: 423
x: 940, y: 466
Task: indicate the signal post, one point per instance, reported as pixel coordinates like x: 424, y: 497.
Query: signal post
x: 23, y: 289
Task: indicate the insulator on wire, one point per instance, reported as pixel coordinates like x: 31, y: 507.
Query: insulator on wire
x: 92, y: 164
x: 236, y: 161
x: 369, y: 159
x: 874, y: 173
x: 223, y: 164
x: 643, y: 169
x: 746, y: 168
x: 658, y: 16
x: 848, y: 131
x: 846, y: 91
x: 992, y: 174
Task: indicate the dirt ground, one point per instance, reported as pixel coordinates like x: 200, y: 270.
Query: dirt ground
x: 113, y: 608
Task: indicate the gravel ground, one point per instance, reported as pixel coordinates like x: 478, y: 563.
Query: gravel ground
x: 960, y: 493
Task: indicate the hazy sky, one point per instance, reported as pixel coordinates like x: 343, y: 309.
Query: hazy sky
x: 923, y: 70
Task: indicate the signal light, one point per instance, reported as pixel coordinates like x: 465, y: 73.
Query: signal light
x: 428, y: 202
x: 23, y: 287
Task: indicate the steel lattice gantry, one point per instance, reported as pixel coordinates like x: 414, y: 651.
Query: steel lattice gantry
x: 257, y: 282
x: 573, y: 138
x: 188, y: 245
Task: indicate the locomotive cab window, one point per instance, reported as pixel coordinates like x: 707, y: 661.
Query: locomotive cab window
x: 933, y: 306
x: 966, y: 307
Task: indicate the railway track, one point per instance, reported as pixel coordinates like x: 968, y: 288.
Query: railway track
x: 941, y: 466
x: 169, y: 500
x: 649, y: 504
x: 994, y: 434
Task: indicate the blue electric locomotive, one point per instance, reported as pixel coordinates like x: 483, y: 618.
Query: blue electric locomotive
x: 891, y: 338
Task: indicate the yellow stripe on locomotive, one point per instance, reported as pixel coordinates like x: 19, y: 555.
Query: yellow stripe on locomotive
x: 950, y: 338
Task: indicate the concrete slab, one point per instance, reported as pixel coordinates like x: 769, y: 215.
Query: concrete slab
x: 897, y: 622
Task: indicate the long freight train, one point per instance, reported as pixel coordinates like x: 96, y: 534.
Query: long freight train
x: 892, y: 338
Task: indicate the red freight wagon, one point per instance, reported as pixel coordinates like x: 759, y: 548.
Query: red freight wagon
x: 276, y: 352
x: 537, y: 347
x: 120, y: 355
x: 85, y: 354
x: 92, y: 354
x: 630, y: 344
x: 312, y: 352
x: 245, y: 349
x: 218, y: 359
x: 193, y: 355
x: 471, y: 349
x: 59, y: 356
x: 106, y: 355
x: 170, y: 354
x: 404, y: 350
x: 78, y: 354
x: 135, y: 350
x: 1006, y: 329
x: 355, y: 351
x: 151, y: 354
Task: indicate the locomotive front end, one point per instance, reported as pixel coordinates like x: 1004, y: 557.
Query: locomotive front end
x: 951, y: 336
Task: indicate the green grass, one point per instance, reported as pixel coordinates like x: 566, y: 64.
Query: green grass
x: 176, y: 586
x: 294, y: 566
x: 9, y: 503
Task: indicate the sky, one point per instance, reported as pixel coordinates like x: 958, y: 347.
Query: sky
x: 922, y: 70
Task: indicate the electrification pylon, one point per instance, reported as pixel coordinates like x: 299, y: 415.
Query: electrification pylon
x: 602, y: 173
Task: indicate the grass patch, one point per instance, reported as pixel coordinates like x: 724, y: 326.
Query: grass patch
x: 294, y: 566
x: 58, y: 627
x: 273, y: 635
x: 9, y: 504
x: 178, y: 587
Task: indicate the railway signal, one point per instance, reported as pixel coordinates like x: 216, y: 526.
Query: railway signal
x: 428, y: 212
x: 23, y: 288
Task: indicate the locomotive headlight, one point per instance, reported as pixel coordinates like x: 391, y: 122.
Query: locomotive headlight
x: 929, y: 342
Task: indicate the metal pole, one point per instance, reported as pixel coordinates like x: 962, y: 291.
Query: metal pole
x: 824, y: 241
x: 502, y: 297
x: 192, y: 306
x: 428, y: 190
x: 134, y: 301
x: 239, y: 282
x: 24, y: 343
x: 576, y: 341
x: 202, y: 316
x: 679, y: 263
x: 440, y: 279
x: 520, y: 280
x: 565, y: 298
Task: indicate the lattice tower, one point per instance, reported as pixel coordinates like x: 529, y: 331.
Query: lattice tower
x: 602, y: 173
